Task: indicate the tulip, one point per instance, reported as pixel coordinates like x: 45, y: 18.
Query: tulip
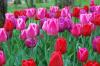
x: 56, y: 59
x: 86, y: 29
x: 9, y: 15
x: 86, y: 8
x: 33, y: 30
x: 2, y: 58
x: 76, y: 12
x: 53, y: 11
x: 92, y: 63
x: 82, y: 54
x: 61, y: 45
x: 3, y: 35
x: 41, y: 12
x: 20, y: 25
x: 96, y: 44
x: 51, y: 26
x: 9, y: 25
x: 30, y: 42
x: 65, y: 12
x: 30, y: 12
x: 29, y: 62
x: 76, y: 30
x: 23, y: 34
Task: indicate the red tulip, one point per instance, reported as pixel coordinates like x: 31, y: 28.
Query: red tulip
x: 86, y: 8
x: 86, y: 29
x: 16, y: 13
x: 9, y: 25
x: 92, y: 63
x: 82, y: 54
x: 76, y: 12
x: 96, y: 19
x: 56, y: 59
x: 29, y: 62
x: 61, y: 45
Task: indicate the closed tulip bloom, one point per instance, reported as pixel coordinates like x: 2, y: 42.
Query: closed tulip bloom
x: 41, y: 12
x: 30, y: 12
x: 96, y: 44
x: 23, y: 34
x: 51, y: 26
x: 9, y: 25
x: 2, y: 58
x: 31, y: 42
x: 86, y: 29
x: 20, y: 25
x: 92, y: 63
x: 33, y: 30
x: 53, y: 11
x: 29, y: 62
x: 9, y: 15
x: 42, y: 22
x: 96, y: 19
x: 65, y: 12
x: 76, y: 12
x: 82, y: 54
x: 76, y: 30
x: 61, y: 45
x: 56, y: 59
x: 92, y: 2
x: 3, y: 35
x: 86, y: 8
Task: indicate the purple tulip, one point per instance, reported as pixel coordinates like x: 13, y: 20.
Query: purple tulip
x: 31, y: 42
x: 33, y: 30
x: 41, y: 12
x: 30, y: 12
x: 20, y: 25
x: 76, y: 30
x: 3, y: 35
x: 51, y: 26
x: 23, y: 34
x: 42, y: 22
x: 2, y: 58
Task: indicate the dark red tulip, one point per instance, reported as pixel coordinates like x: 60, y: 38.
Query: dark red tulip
x: 56, y: 59
x: 61, y: 45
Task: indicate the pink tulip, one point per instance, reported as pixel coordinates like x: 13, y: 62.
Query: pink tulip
x: 33, y: 30
x: 31, y: 42
x: 51, y: 26
x: 2, y: 58
x: 41, y: 12
x: 30, y: 12
x: 9, y: 15
x: 65, y: 12
x: 23, y: 34
x: 3, y: 35
x: 76, y: 30
x: 82, y: 54
x: 20, y: 25
x: 53, y: 11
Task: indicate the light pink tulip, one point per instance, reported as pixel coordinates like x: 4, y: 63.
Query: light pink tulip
x: 3, y: 35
